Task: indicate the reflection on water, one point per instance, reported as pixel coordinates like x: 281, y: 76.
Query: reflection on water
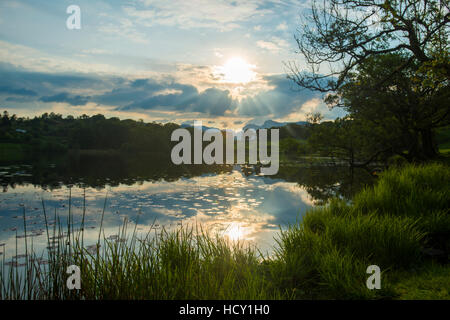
x: 151, y: 194
x: 324, y: 182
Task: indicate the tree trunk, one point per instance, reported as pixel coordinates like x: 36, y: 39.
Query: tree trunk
x: 423, y: 146
x: 429, y: 148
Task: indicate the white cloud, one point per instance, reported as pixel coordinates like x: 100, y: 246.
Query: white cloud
x: 280, y: 42
x: 36, y: 60
x: 222, y: 15
x: 270, y: 46
x: 311, y: 106
x: 274, y: 45
x: 282, y: 26
x: 94, y: 51
x: 124, y: 28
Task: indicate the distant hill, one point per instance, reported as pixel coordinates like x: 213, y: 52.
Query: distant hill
x: 266, y: 125
x: 272, y: 124
x: 191, y: 124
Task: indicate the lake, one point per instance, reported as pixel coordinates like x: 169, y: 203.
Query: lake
x: 149, y: 194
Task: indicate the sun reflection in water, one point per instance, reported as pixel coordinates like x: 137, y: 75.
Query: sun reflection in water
x: 240, y: 208
x: 235, y: 232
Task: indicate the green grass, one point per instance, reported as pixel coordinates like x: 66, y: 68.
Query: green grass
x: 389, y: 225
x: 185, y: 264
x: 444, y: 149
x: 323, y: 256
x: 443, y: 140
x: 430, y: 282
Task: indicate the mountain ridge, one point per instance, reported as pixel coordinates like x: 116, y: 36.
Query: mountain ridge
x: 271, y: 124
x: 266, y: 125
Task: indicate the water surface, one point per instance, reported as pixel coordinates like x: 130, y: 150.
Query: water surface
x: 150, y: 194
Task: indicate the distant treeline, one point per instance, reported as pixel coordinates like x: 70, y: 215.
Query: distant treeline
x: 53, y: 133
x: 354, y: 141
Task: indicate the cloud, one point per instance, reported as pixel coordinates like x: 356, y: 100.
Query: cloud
x: 214, y: 102
x: 125, y: 28
x: 312, y: 106
x: 19, y: 81
x: 147, y: 95
x: 280, y: 100
x: 95, y: 51
x: 144, y: 94
x: 66, y: 97
x: 282, y: 26
x: 275, y: 45
x: 165, y: 96
x: 17, y: 91
x: 270, y: 46
x: 31, y: 59
x: 219, y: 15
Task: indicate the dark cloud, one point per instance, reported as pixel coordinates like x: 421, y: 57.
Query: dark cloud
x: 18, y: 85
x: 149, y: 95
x: 66, y: 97
x: 21, y: 99
x: 213, y: 102
x: 21, y: 86
x: 17, y: 91
x: 46, y: 83
x: 280, y: 101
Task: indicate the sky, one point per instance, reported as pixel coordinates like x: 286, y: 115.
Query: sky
x: 221, y: 62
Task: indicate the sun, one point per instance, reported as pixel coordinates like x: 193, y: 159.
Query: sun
x: 237, y: 70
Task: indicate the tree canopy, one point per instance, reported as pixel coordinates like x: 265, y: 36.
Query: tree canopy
x: 387, y: 63
x: 339, y: 35
x: 51, y: 132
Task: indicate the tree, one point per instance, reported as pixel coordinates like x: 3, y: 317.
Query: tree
x: 314, y: 117
x: 405, y: 109
x: 292, y: 147
x: 340, y: 35
x: 6, y: 121
x: 359, y: 143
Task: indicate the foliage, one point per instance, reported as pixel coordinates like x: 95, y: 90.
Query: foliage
x: 405, y: 111
x: 53, y: 133
x: 343, y: 34
x: 357, y: 142
x: 386, y: 63
x: 325, y: 255
x: 292, y: 147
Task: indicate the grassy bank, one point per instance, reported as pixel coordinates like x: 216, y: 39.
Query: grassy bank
x: 402, y: 224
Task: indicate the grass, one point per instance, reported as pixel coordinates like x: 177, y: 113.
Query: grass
x: 390, y: 225
x: 394, y: 224
x: 185, y: 264
x: 430, y: 282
